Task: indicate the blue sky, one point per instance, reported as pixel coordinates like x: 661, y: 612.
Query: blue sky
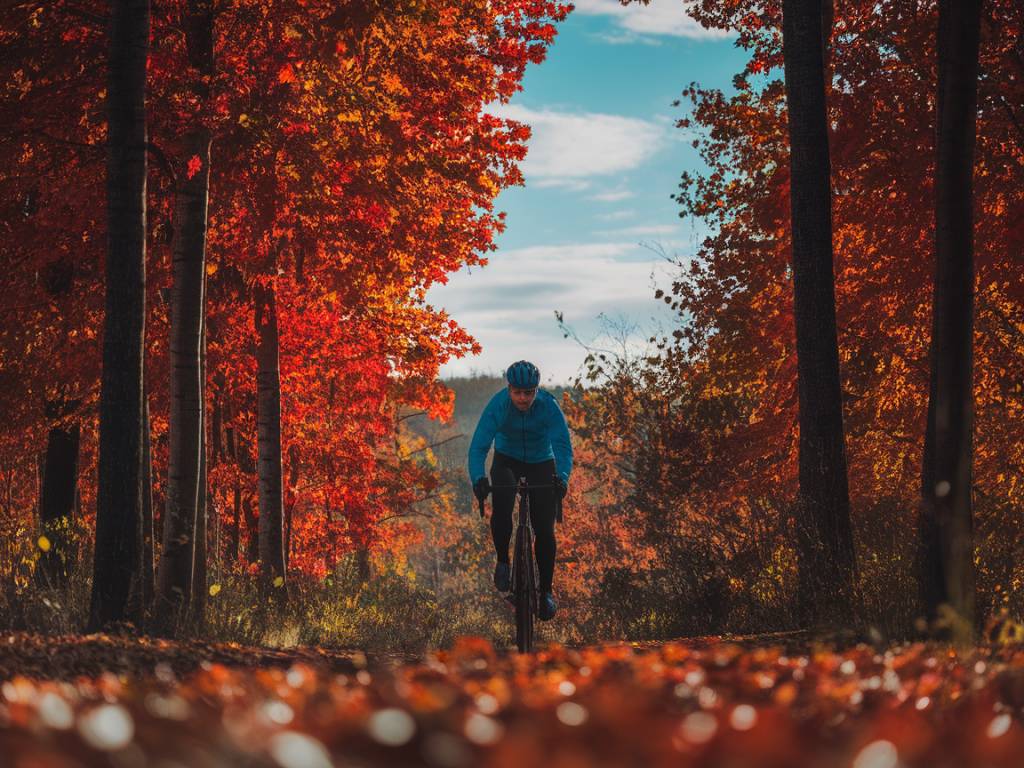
x: 603, y: 161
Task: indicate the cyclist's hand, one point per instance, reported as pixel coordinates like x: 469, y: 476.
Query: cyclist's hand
x: 481, y: 489
x: 561, y: 487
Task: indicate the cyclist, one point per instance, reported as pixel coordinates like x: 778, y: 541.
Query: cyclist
x: 531, y: 440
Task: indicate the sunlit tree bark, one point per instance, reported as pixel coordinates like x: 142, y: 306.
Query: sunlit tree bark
x: 268, y: 421
x: 148, y: 579
x: 174, y: 584
x: 203, y: 508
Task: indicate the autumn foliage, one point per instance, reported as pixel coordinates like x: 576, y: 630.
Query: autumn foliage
x: 353, y: 165
x: 709, y: 418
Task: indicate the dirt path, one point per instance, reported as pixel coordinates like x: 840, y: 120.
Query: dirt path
x: 101, y: 701
x: 66, y: 658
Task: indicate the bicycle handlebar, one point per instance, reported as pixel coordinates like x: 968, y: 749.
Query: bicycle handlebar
x: 526, y: 487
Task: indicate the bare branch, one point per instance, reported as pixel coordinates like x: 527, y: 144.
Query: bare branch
x: 408, y: 513
x: 410, y: 415
x: 435, y: 445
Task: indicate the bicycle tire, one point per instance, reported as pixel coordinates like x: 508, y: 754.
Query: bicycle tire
x: 524, y: 580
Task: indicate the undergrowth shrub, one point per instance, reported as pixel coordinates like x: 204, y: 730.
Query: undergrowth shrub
x: 391, y: 611
x: 30, y: 604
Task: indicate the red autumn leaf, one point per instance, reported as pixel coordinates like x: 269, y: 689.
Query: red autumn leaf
x: 195, y: 164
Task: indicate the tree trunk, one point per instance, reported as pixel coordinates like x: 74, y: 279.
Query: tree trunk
x: 288, y: 510
x: 199, y: 565
x: 236, y: 523
x: 364, y: 568
x: 231, y: 448
x: 268, y: 423
x: 217, y: 426
x: 148, y: 531
x: 252, y: 524
x: 140, y: 595
x: 119, y: 489
x: 946, y: 557
x: 187, y: 303
x: 40, y: 474
x: 215, y: 455
x: 294, y: 465
x: 249, y: 513
x: 57, y: 497
x: 825, y: 542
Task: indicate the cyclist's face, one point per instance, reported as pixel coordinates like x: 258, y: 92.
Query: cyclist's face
x: 522, y: 398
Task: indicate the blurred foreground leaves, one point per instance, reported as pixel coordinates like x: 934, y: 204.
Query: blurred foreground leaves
x: 105, y: 701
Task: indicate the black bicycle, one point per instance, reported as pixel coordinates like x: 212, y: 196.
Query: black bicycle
x: 525, y: 596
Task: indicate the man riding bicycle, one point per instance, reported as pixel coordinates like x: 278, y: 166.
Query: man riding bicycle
x: 531, y: 440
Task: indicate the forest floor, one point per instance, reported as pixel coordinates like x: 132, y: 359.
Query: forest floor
x: 772, y: 701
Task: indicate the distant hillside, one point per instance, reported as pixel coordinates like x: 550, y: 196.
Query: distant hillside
x: 471, y: 396
x: 473, y: 393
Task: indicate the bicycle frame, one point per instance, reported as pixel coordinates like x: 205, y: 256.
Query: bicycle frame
x: 525, y: 595
x: 524, y: 573
x: 519, y: 489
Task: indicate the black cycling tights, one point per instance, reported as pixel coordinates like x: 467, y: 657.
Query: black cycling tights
x: 505, y: 473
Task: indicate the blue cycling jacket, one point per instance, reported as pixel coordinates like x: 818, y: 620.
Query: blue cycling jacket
x: 532, y: 436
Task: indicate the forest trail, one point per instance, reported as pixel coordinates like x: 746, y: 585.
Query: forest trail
x: 104, y: 701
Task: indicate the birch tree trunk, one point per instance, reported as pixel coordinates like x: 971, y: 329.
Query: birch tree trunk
x: 174, y: 582
x: 200, y: 553
x: 268, y: 421
x: 148, y: 531
x: 294, y: 468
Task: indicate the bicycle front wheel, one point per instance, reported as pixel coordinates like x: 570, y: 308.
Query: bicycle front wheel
x: 525, y: 589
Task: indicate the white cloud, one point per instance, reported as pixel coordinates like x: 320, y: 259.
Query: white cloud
x: 613, y: 196
x: 661, y: 17
x: 642, y: 230
x: 628, y: 38
x: 621, y: 214
x: 509, y: 305
x: 560, y: 182
x: 567, y: 149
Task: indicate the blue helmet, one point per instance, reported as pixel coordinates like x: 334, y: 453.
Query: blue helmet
x: 523, y: 375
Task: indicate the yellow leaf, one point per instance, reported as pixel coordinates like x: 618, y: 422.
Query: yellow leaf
x: 279, y: 581
x: 214, y: 590
x: 44, y: 544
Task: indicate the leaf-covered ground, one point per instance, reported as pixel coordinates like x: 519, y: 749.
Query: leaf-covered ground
x: 102, y: 701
